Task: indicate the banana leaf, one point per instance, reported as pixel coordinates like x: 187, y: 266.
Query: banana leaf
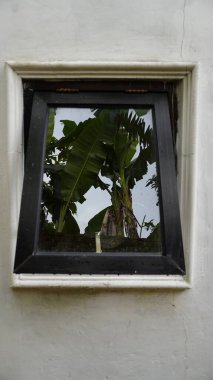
x: 95, y: 223
x: 139, y: 166
x: 86, y: 158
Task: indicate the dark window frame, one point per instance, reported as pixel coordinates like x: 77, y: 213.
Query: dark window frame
x: 28, y: 259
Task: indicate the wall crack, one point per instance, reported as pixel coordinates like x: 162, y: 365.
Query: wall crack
x: 183, y: 28
x: 185, y: 350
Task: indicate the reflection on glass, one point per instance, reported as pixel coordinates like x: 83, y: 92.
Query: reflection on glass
x: 100, y: 191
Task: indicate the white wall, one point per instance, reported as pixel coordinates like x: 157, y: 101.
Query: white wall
x: 97, y: 334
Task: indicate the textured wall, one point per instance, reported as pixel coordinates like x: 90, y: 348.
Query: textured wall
x: 79, y: 335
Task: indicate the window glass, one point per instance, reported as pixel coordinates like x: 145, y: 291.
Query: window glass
x: 100, y: 181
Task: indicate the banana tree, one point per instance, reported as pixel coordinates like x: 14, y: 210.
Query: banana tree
x: 126, y: 163
x: 72, y: 166
x: 114, y: 145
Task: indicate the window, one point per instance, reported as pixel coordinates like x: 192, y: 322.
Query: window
x: 99, y: 193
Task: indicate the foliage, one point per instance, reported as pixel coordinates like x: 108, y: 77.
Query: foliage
x: 114, y: 145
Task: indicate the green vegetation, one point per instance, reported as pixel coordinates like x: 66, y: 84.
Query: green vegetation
x: 115, y: 146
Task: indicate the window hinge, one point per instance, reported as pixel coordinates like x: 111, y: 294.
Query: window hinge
x: 66, y: 89
x: 136, y: 90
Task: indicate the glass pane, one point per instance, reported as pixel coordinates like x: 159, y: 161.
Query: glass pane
x: 100, y: 183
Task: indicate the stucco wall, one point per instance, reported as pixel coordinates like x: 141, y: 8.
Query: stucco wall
x: 123, y: 334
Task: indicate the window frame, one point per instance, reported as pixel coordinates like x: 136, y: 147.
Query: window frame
x: 172, y: 262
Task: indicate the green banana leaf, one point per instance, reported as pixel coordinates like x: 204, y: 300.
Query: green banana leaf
x: 71, y: 226
x: 51, y: 124
x: 139, y: 166
x: 86, y: 158
x: 140, y: 112
x: 95, y: 223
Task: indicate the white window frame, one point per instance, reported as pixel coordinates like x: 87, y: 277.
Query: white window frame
x: 186, y: 74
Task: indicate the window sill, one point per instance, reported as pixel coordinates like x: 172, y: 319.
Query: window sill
x: 100, y: 281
